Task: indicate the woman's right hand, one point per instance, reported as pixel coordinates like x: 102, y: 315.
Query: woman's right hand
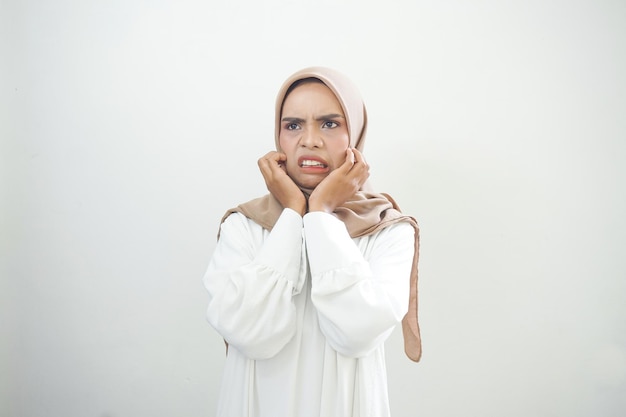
x: 272, y: 167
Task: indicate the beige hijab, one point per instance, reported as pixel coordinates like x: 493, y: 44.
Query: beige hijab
x: 366, y: 213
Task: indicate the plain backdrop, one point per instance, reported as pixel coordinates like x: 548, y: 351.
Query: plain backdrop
x: 129, y: 127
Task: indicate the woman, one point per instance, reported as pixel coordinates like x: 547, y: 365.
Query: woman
x: 307, y: 282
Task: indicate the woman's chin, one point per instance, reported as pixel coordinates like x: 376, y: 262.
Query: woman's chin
x: 308, y: 184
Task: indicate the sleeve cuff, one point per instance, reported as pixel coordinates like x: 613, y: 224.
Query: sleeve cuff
x: 281, y: 250
x: 329, y: 245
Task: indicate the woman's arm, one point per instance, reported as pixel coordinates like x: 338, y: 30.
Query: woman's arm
x: 359, y: 300
x: 251, y: 281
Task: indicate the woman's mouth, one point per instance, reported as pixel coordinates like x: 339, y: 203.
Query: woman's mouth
x: 309, y: 163
x: 312, y: 163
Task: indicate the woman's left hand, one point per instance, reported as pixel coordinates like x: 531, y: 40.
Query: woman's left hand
x: 341, y: 184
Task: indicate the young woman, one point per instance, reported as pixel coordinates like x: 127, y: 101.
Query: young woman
x: 307, y: 282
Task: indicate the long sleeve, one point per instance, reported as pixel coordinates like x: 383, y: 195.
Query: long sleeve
x: 251, y: 279
x: 360, y: 293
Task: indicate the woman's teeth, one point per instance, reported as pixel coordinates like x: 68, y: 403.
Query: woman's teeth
x: 312, y: 164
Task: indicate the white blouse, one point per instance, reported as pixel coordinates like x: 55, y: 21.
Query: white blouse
x: 305, y: 310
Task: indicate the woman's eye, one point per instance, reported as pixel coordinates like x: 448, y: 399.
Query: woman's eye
x: 329, y: 124
x: 291, y: 126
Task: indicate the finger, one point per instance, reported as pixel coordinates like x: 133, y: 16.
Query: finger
x: 350, y: 155
x: 266, y: 164
x: 270, y: 155
x: 266, y: 172
x: 358, y: 156
x: 348, y: 163
x: 277, y: 162
x: 361, y: 163
x: 272, y: 160
x: 360, y: 169
x: 277, y: 156
x: 358, y: 165
x: 263, y: 160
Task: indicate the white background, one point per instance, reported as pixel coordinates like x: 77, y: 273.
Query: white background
x: 129, y: 127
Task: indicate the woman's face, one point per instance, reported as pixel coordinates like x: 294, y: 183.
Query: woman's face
x: 313, y: 134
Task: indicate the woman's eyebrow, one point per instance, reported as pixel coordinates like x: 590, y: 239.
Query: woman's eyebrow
x: 317, y: 119
x: 292, y: 119
x: 329, y: 116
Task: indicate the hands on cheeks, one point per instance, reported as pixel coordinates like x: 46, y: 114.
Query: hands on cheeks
x: 341, y: 184
x: 278, y: 182
x: 334, y: 190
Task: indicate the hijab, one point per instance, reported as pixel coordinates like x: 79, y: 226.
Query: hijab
x: 366, y: 212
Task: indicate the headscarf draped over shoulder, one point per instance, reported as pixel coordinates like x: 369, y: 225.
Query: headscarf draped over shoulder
x: 366, y: 212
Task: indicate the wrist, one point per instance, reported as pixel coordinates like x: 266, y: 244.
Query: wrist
x: 318, y: 206
x: 299, y: 208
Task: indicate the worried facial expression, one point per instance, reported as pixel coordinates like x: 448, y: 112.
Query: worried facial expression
x: 313, y: 134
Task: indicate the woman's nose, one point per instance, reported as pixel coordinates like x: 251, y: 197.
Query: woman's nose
x: 311, y: 139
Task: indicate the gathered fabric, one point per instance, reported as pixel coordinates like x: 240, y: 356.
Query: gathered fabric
x: 366, y: 212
